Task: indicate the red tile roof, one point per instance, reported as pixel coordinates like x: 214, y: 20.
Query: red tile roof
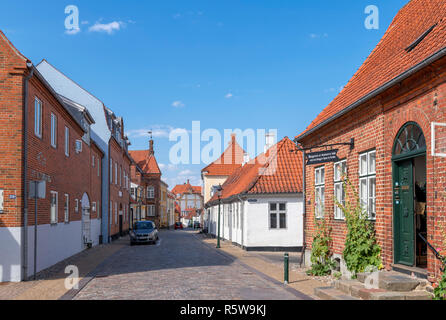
x: 229, y: 161
x: 276, y: 172
x: 390, y: 59
x: 146, y: 161
x: 186, y: 188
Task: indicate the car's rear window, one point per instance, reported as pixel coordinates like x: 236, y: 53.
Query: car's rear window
x: 143, y: 225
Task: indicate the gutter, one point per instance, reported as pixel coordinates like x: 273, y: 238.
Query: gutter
x: 25, y: 171
x: 436, y: 56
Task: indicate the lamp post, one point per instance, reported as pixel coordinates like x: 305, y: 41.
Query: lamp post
x: 218, y: 190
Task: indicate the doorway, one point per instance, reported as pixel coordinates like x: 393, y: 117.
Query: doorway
x: 86, y: 221
x: 409, y: 197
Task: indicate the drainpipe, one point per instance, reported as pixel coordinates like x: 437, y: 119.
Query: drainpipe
x: 304, y: 193
x: 25, y: 171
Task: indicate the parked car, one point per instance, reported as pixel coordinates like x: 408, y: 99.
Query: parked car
x: 144, y: 232
x: 197, y: 225
x: 178, y: 225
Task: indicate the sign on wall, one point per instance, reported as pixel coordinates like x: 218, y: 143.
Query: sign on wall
x: 322, y: 157
x: 37, y: 189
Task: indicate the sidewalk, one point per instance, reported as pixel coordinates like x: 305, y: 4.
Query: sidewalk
x: 271, y: 264
x: 50, y: 283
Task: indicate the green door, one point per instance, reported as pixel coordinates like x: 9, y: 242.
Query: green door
x: 404, y: 213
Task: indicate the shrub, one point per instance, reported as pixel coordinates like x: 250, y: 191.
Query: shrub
x: 361, y: 247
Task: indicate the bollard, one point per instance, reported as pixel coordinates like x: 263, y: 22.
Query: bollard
x: 286, y: 267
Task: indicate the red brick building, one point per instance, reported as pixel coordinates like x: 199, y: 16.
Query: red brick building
x: 151, y: 177
x: 120, y: 161
x: 42, y: 135
x: 390, y: 107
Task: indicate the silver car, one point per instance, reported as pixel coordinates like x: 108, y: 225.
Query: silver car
x: 144, y: 232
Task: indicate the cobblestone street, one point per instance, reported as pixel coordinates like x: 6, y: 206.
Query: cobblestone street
x: 179, y: 267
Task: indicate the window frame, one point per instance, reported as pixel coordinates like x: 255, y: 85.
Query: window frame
x: 67, y: 141
x: 56, y: 208
x: 319, y: 186
x: 339, y: 182
x: 38, y: 118
x: 368, y: 176
x: 66, y: 208
x: 278, y: 212
x: 53, y: 138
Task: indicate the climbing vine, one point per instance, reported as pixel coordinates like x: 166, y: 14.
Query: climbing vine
x: 440, y: 290
x: 361, y: 247
x: 321, y: 262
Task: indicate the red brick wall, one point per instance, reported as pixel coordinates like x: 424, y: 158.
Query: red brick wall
x: 375, y: 125
x: 12, y: 69
x: 68, y: 175
x: 120, y: 158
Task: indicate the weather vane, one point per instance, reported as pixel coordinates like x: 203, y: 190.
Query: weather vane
x: 150, y: 134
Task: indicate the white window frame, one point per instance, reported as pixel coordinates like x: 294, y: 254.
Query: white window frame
x: 278, y: 212
x: 319, y: 186
x: 151, y: 210
x: 93, y: 206
x: 38, y: 106
x: 99, y: 168
x: 111, y: 212
x: 67, y: 141
x: 54, y: 216
x: 53, y: 130
x: 66, y: 208
x: 339, y: 170
x: 76, y: 205
x: 111, y: 170
x: 92, y: 161
x: 367, y: 178
x: 150, y: 192
x: 116, y: 173
x: 116, y: 213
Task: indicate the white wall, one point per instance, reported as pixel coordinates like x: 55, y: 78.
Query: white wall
x: 252, y: 228
x: 260, y: 235
x: 10, y: 254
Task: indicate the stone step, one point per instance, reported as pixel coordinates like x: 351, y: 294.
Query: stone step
x: 393, y: 281
x: 331, y: 293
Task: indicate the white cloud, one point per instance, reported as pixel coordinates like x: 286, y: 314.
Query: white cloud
x: 158, y: 131
x: 85, y: 22
x: 185, y: 173
x: 72, y: 32
x: 229, y: 96
x: 109, y: 28
x: 317, y: 36
x: 178, y: 104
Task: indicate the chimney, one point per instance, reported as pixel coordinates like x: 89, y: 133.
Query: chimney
x: 233, y: 138
x: 245, y: 158
x: 151, y: 151
x: 270, y: 140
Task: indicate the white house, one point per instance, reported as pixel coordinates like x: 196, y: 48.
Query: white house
x: 261, y: 203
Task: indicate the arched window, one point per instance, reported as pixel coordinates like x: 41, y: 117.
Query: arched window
x: 410, y: 139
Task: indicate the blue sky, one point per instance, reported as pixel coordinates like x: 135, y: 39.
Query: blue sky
x: 259, y: 64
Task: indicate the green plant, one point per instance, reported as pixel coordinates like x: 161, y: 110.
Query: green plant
x: 321, y: 263
x: 337, y: 275
x: 361, y: 247
x: 440, y: 290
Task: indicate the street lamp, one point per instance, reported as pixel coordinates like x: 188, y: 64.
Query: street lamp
x: 218, y: 190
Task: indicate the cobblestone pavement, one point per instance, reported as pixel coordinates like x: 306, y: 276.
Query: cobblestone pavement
x: 179, y: 267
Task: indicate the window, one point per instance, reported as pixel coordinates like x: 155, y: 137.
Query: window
x: 53, y: 130
x: 78, y: 146
x: 38, y: 118
x: 99, y: 168
x: 111, y: 212
x: 116, y: 212
x: 277, y: 215
x: 53, y: 209
x: 132, y: 192
x: 116, y: 173
x: 92, y: 161
x: 319, y: 183
x: 67, y: 142
x: 111, y: 170
x: 76, y: 205
x: 151, y: 210
x: 93, y: 206
x: 150, y: 192
x: 120, y: 176
x: 340, y: 170
x: 367, y: 183
x: 67, y: 209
